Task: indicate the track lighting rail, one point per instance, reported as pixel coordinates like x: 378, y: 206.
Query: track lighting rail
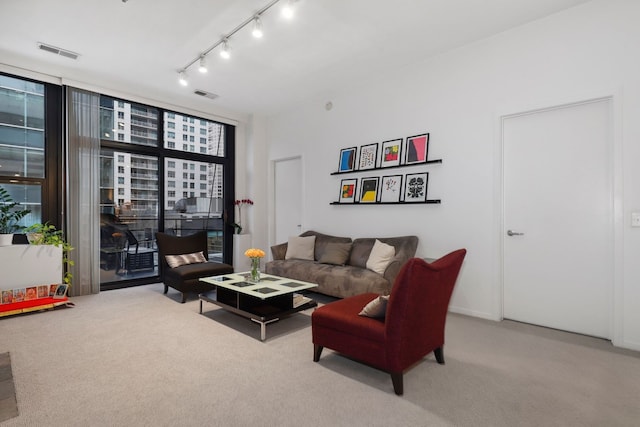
x: 224, y: 39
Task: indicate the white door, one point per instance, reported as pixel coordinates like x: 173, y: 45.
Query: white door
x: 288, y: 198
x: 558, y: 218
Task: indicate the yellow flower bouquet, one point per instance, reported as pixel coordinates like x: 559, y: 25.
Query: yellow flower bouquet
x: 255, y: 255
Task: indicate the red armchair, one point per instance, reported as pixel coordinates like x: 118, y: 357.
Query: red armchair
x: 414, y: 323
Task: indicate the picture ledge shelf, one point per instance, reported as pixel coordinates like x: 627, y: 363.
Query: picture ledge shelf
x: 428, y: 202
x: 388, y: 167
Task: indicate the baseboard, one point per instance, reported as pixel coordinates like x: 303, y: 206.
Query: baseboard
x: 473, y: 313
x: 629, y: 345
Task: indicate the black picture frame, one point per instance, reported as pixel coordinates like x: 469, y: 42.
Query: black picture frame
x: 390, y: 188
x: 415, y: 187
x: 347, y: 160
x: 416, y: 149
x: 368, y: 156
x: 369, y: 189
x: 391, y: 153
x: 348, y: 191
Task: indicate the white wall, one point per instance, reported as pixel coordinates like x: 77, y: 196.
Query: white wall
x: 585, y: 52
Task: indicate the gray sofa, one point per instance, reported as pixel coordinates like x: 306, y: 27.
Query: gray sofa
x: 346, y: 280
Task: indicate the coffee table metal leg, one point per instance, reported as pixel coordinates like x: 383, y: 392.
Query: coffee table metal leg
x: 263, y: 327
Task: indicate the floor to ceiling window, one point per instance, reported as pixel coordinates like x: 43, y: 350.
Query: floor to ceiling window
x: 159, y: 171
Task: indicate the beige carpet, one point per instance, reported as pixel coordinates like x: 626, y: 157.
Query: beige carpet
x: 134, y: 357
x: 8, y: 404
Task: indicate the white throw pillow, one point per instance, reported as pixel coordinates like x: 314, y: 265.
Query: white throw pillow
x: 376, y: 308
x: 380, y: 257
x: 301, y: 248
x: 184, y: 259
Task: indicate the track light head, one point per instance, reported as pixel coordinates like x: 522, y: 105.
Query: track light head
x: 182, y: 78
x: 223, y: 43
x: 203, y: 65
x: 225, y: 50
x: 287, y: 9
x: 257, y: 28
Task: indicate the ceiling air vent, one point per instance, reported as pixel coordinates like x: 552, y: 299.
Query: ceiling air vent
x: 205, y: 94
x: 58, y: 51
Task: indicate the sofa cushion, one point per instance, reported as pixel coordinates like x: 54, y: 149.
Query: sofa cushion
x: 405, y: 248
x: 184, y: 259
x: 301, y: 248
x: 335, y: 253
x: 322, y: 240
x: 358, y: 327
x: 380, y: 257
x: 335, y: 280
x: 197, y: 271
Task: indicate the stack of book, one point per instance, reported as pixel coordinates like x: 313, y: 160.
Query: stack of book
x: 299, y: 299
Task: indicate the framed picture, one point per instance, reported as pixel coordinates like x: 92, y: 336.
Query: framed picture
x: 390, y: 189
x: 391, y: 152
x: 18, y: 294
x: 369, y: 190
x: 348, y: 190
x: 61, y: 291
x: 415, y: 187
x: 368, y: 156
x: 43, y: 291
x: 7, y: 296
x: 32, y: 293
x: 416, y: 149
x: 347, y: 159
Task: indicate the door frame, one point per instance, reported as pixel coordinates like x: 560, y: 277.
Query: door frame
x: 617, y: 292
x: 272, y: 195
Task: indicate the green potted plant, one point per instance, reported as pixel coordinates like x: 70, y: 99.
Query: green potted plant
x: 9, y: 217
x: 47, y: 234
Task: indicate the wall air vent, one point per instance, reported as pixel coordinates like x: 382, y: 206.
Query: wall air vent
x: 205, y: 94
x: 57, y: 51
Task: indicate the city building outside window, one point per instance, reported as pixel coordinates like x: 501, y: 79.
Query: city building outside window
x: 147, y: 201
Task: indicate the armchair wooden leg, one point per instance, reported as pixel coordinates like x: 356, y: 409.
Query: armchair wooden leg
x: 184, y: 297
x: 398, y: 385
x: 317, y: 351
x: 166, y: 289
x: 439, y: 353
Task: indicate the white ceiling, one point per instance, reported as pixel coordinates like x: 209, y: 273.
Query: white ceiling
x: 137, y: 47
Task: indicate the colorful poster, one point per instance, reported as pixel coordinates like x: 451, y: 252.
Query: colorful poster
x: 391, y: 153
x: 417, y: 149
x: 347, y: 190
x: 369, y: 192
x: 7, y: 296
x: 347, y: 159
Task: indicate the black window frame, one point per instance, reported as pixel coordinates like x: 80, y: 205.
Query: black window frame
x: 162, y: 153
x: 52, y: 184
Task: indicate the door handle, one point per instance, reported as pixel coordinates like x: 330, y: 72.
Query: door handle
x: 513, y: 233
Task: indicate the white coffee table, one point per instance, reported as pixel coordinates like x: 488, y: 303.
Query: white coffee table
x: 264, y: 302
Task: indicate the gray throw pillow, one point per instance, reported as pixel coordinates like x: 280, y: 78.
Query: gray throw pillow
x: 301, y: 248
x: 336, y: 253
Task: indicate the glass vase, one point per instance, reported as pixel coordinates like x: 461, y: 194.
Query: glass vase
x: 255, y: 269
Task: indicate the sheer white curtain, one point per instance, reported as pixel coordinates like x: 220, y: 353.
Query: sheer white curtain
x: 83, y: 189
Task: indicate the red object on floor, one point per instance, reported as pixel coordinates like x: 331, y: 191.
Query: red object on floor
x: 31, y: 305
